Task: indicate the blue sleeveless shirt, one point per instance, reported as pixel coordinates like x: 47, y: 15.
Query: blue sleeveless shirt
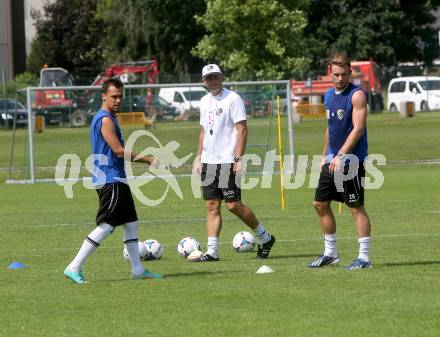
x: 339, y: 109
x: 107, y: 167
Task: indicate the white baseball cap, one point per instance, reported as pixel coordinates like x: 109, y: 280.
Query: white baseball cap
x: 211, y: 69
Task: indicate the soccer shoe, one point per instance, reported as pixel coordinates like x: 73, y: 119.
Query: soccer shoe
x: 206, y: 258
x: 324, y: 260
x: 264, y: 249
x: 146, y: 275
x: 76, y: 277
x: 358, y: 264
x: 196, y: 254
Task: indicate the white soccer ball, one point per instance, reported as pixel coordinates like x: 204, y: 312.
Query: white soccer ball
x: 243, y: 242
x: 142, y: 251
x: 154, y: 250
x: 187, y: 245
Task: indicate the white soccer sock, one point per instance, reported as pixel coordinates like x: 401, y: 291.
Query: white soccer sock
x: 92, y: 241
x: 131, y: 243
x: 330, y: 245
x: 262, y: 234
x: 212, y: 248
x: 364, y: 248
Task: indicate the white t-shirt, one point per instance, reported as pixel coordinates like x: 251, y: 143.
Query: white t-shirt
x: 218, y: 116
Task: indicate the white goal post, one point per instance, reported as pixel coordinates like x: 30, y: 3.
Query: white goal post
x: 30, y: 91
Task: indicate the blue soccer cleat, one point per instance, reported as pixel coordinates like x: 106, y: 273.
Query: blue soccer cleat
x: 147, y: 275
x: 324, y: 260
x: 358, y: 264
x: 76, y: 277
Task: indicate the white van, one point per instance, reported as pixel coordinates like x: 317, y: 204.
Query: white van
x: 183, y: 98
x: 424, y: 91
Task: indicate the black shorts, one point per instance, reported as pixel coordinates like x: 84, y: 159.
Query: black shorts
x: 353, y: 190
x: 218, y: 182
x: 116, y: 205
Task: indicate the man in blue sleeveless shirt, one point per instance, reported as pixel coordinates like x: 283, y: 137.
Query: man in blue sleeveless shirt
x: 116, y: 206
x: 342, y: 166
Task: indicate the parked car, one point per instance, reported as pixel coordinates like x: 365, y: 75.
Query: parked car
x: 10, y: 108
x: 424, y: 91
x: 185, y: 99
x: 92, y: 102
x: 255, y: 102
x: 159, y: 107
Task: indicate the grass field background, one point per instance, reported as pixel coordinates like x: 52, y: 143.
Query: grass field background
x: 398, y: 139
x: 399, y: 296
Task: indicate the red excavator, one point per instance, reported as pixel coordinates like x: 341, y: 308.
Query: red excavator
x: 75, y: 108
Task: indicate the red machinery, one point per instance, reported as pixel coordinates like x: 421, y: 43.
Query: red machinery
x: 150, y: 67
x: 54, y: 105
x: 365, y: 74
x: 132, y: 69
x: 67, y: 107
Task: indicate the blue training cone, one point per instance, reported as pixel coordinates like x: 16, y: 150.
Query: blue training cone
x: 16, y: 265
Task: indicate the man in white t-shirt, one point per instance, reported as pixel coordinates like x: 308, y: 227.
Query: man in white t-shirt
x: 222, y: 142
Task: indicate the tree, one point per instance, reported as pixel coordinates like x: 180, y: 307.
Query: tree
x: 20, y: 81
x: 164, y: 29
x: 254, y: 39
x: 68, y: 36
x: 36, y: 59
x: 388, y: 31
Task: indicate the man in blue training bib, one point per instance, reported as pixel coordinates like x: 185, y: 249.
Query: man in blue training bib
x: 342, y: 167
x: 116, y: 206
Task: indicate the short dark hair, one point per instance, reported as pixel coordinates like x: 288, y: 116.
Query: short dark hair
x: 114, y: 81
x: 339, y: 60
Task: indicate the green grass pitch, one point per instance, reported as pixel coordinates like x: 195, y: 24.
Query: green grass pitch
x: 399, y: 296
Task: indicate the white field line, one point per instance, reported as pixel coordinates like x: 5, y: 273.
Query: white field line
x: 146, y: 178
x: 187, y: 175
x: 163, y: 221
x: 434, y: 161
x: 203, y: 219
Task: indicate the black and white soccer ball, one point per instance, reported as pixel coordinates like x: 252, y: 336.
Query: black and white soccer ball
x: 244, y: 242
x: 187, y: 245
x: 142, y: 251
x: 154, y: 250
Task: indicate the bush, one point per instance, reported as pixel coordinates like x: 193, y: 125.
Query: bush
x: 20, y: 81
